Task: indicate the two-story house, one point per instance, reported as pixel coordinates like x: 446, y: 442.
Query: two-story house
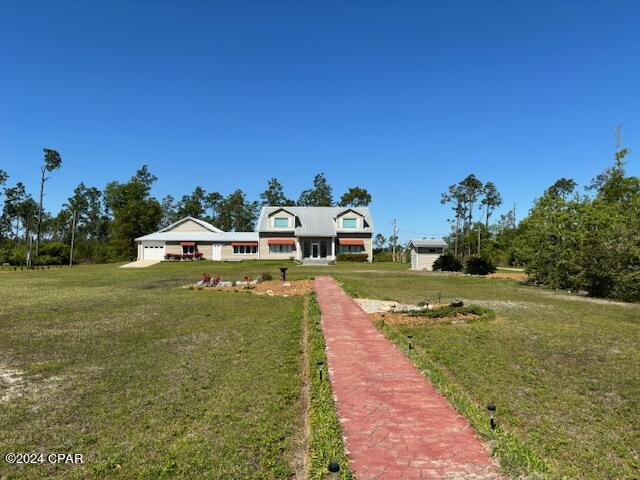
x: 310, y: 234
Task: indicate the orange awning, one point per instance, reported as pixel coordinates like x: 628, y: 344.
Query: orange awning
x: 281, y: 241
x: 350, y: 241
x: 188, y: 244
x: 244, y: 244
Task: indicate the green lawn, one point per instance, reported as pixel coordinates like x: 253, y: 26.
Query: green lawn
x: 563, y: 371
x: 148, y: 380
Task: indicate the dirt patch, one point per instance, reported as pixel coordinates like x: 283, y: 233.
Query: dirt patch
x: 276, y: 288
x: 14, y: 384
x: 11, y: 383
x: 393, y: 318
x: 509, y: 275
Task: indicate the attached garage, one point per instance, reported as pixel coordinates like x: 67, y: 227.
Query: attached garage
x: 152, y: 250
x: 424, y: 252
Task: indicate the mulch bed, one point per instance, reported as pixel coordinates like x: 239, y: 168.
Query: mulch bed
x: 512, y: 276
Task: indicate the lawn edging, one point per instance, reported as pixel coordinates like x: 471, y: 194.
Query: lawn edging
x: 515, y: 457
x: 325, y: 438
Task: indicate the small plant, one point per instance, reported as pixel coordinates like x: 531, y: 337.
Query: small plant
x: 205, y: 277
x: 476, y: 265
x: 246, y: 278
x: 266, y: 276
x: 447, y: 263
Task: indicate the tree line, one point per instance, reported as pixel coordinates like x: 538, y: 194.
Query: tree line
x: 105, y: 222
x: 585, y: 241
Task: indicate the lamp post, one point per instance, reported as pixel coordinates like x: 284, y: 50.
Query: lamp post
x: 491, y: 410
x: 320, y: 368
x: 334, y: 470
x: 410, y: 337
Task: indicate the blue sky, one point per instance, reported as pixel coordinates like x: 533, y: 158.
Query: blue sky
x: 402, y: 98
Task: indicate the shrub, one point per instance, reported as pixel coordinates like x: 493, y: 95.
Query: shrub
x: 447, y: 263
x: 53, y: 253
x: 352, y: 257
x: 383, y: 257
x: 476, y: 265
x: 266, y: 276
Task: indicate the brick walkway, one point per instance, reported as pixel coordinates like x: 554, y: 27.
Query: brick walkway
x: 396, y: 425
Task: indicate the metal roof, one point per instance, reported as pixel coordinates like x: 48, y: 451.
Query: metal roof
x: 428, y: 242
x: 201, y: 237
x: 314, y: 221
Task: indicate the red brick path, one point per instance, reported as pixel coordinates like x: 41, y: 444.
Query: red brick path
x: 395, y: 424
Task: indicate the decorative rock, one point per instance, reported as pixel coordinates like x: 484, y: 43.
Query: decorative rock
x: 457, y: 303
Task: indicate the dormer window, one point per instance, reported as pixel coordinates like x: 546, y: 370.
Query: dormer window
x: 349, y: 223
x: 281, y: 222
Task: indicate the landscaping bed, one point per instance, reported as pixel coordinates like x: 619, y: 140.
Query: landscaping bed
x: 276, y: 288
x: 439, y: 314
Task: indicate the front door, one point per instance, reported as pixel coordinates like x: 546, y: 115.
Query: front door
x: 315, y: 250
x: 216, y: 253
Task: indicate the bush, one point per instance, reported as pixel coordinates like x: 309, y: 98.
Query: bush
x: 54, y: 253
x: 352, y: 257
x: 383, y: 257
x: 476, y: 265
x: 447, y: 263
x: 266, y: 276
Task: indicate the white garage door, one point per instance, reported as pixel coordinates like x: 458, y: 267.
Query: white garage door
x: 153, y: 252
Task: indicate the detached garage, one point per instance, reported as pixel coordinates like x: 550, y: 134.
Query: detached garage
x: 424, y: 252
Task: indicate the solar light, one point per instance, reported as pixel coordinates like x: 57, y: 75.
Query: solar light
x: 320, y: 364
x: 491, y: 410
x: 409, y: 337
x: 334, y: 470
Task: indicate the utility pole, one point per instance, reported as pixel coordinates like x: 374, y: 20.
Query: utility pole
x: 395, y: 238
x: 73, y: 238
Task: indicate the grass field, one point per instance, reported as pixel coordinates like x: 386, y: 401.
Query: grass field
x: 563, y: 370
x: 151, y: 381
x: 144, y: 379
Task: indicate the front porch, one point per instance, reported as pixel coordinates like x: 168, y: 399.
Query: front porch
x: 325, y: 249
x: 317, y: 249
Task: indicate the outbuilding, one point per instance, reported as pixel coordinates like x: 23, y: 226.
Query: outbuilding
x: 425, y: 251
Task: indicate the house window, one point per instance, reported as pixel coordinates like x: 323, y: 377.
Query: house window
x: 245, y: 249
x: 281, y: 222
x: 189, y: 249
x: 351, y: 248
x: 281, y: 248
x: 349, y: 223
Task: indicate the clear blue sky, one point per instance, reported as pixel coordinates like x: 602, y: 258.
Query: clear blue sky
x: 402, y: 98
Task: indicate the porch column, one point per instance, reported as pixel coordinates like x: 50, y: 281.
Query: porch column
x: 333, y: 248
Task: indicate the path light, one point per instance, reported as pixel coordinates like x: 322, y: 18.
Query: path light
x: 409, y: 337
x: 283, y: 274
x: 491, y: 410
x: 320, y: 364
x: 334, y: 470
